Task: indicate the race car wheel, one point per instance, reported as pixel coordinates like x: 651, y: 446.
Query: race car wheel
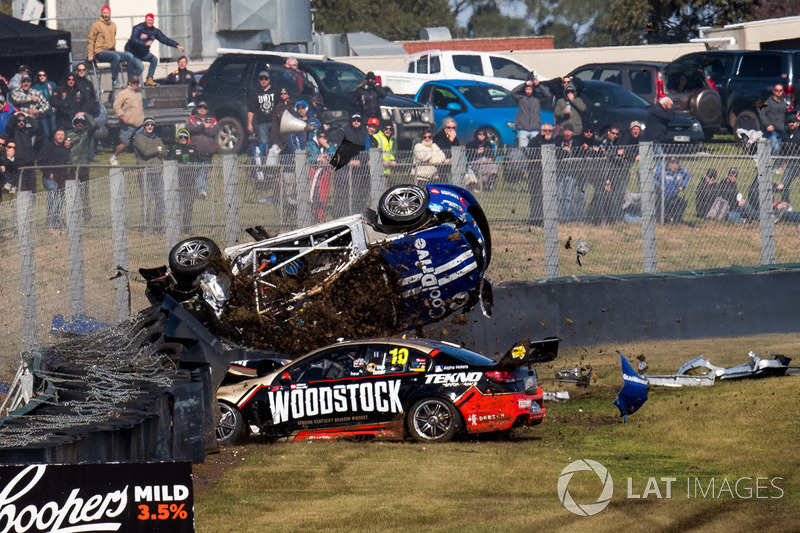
x: 403, y: 205
x: 190, y: 257
x: 231, y: 425
x: 433, y: 420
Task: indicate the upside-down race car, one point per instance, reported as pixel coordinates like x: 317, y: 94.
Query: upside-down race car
x: 385, y: 388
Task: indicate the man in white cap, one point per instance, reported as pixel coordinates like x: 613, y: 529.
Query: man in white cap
x: 143, y: 35
x: 101, y: 46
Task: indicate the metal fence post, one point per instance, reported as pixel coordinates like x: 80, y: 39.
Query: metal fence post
x: 376, y: 177
x: 230, y: 181
x: 459, y: 163
x: 765, y: 199
x: 550, y: 210
x: 77, y: 298
x: 647, y: 188
x: 27, y: 267
x: 119, y: 238
x: 172, y: 203
x: 302, y: 188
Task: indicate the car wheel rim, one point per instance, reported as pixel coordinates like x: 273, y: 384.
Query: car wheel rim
x: 404, y: 201
x: 192, y: 253
x: 227, y: 423
x: 432, y: 420
x: 228, y: 136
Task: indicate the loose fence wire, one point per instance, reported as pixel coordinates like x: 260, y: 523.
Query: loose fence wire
x: 539, y: 203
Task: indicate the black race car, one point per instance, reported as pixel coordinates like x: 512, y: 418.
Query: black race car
x: 387, y: 388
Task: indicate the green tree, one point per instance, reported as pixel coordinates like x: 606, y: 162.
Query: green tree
x: 570, y: 22
x: 397, y: 20
x: 488, y: 21
x: 629, y: 22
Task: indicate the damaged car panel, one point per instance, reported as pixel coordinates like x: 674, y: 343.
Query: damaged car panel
x: 385, y: 389
x: 698, y: 372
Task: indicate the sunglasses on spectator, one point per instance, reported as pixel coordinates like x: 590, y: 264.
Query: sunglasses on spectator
x: 613, y: 133
x: 427, y: 136
x: 547, y: 131
x: 449, y: 127
x: 42, y: 75
x: 387, y: 128
x: 11, y: 146
x: 80, y: 69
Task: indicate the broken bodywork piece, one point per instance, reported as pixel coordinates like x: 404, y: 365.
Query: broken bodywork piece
x: 698, y: 372
x: 580, y: 376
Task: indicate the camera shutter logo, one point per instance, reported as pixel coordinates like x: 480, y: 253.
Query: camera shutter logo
x: 585, y: 465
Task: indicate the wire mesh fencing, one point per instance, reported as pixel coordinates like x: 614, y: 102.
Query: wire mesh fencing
x: 648, y: 208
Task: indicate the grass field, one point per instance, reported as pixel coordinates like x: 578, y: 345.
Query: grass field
x: 745, y: 431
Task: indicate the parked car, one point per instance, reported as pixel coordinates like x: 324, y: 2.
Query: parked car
x: 745, y: 78
x: 331, y: 87
x: 434, y: 241
x: 691, y: 90
x: 609, y: 103
x: 387, y: 388
x: 475, y: 105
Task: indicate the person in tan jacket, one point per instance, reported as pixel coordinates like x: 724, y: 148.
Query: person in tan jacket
x: 102, y: 46
x: 129, y: 108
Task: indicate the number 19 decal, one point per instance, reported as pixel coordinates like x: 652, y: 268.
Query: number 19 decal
x: 399, y: 356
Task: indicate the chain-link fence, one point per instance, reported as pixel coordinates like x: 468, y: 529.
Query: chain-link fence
x: 639, y: 209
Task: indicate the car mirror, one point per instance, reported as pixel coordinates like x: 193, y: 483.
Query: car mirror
x: 453, y: 106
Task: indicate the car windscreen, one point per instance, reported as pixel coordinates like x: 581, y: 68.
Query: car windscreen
x: 343, y: 78
x: 611, y: 96
x: 483, y: 96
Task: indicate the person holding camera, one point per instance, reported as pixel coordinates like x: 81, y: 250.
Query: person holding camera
x: 529, y: 96
x: 368, y: 96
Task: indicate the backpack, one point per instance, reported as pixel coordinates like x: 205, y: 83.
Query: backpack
x: 719, y: 209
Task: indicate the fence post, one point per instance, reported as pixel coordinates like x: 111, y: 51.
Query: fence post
x: 230, y: 181
x: 302, y: 188
x: 77, y: 298
x: 172, y: 203
x: 27, y: 267
x: 647, y: 188
x: 459, y: 163
x: 119, y: 240
x: 765, y: 199
x: 550, y: 210
x: 376, y: 179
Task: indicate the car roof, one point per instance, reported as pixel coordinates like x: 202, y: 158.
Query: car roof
x: 622, y: 63
x: 463, y: 83
x: 425, y: 345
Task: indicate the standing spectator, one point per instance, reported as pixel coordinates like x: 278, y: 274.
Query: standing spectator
x: 481, y: 155
x: 186, y: 154
x: 708, y: 190
x: 87, y: 88
x: 295, y: 80
x: 80, y: 137
x: 284, y: 103
x: 427, y: 158
x: 320, y: 152
x: 6, y: 112
x: 570, y: 193
x: 260, y: 106
x: 183, y: 76
x: 790, y: 147
x: 367, y: 97
x: 143, y: 36
x: 129, y: 108
x: 658, y: 117
x: 203, y: 129
x: 535, y: 192
x: 612, y: 180
x: 52, y: 161
x: 631, y: 140
x: 102, y: 43
x: 19, y: 131
x: 150, y: 152
x: 67, y: 101
x: 8, y: 166
x: 16, y: 79
x: 300, y: 140
x: 773, y: 118
x: 529, y: 96
x: 671, y: 182
x: 351, y: 197
x: 447, y: 137
x: 385, y: 143
x: 30, y: 102
x: 47, y: 119
x: 569, y: 108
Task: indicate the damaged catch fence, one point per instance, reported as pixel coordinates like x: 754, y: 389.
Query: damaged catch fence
x: 77, y: 251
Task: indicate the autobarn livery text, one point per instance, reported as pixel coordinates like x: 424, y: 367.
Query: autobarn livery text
x: 381, y: 396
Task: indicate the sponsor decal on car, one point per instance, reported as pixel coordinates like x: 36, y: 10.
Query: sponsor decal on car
x: 296, y: 404
x: 454, y: 379
x: 443, y: 368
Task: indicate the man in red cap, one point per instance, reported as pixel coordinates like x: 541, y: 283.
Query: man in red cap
x: 101, y: 44
x: 143, y: 35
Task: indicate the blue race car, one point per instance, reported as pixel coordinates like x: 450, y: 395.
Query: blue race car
x: 420, y: 258
x: 475, y: 105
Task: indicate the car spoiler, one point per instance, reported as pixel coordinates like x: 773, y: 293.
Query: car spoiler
x: 525, y: 352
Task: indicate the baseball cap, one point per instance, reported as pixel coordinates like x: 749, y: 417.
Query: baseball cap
x: 370, y: 75
x: 299, y: 104
x: 635, y: 124
x: 355, y: 116
x: 149, y: 120
x: 183, y: 133
x: 25, y: 77
x: 263, y: 74
x: 202, y: 103
x: 78, y: 119
x: 373, y: 122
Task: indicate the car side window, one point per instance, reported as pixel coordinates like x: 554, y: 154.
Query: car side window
x: 422, y: 65
x: 641, y: 81
x: 339, y: 363
x: 761, y: 66
x: 436, y: 65
x: 614, y: 75
x: 386, y: 359
x: 505, y: 68
x: 232, y: 73
x: 442, y: 97
x: 468, y: 64
x: 585, y: 74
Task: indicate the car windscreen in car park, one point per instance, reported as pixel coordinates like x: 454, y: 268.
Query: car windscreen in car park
x: 612, y: 96
x: 339, y: 79
x: 482, y: 96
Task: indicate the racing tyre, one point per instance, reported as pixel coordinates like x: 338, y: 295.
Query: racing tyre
x: 231, y: 425
x: 190, y: 257
x: 433, y: 420
x: 403, y: 205
x: 231, y: 136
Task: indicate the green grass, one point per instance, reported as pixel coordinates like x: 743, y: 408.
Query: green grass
x: 729, y: 431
